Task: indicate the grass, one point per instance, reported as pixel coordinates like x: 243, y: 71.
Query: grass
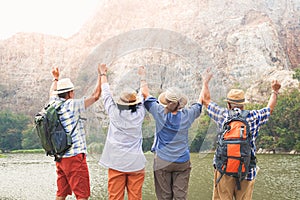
x: 28, y: 151
x: 2, y: 155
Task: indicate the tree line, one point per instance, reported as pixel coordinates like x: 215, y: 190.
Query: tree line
x: 280, y: 133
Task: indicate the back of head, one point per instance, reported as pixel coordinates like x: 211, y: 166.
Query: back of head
x: 236, y: 99
x: 129, y: 100
x: 172, y: 99
x: 64, y: 86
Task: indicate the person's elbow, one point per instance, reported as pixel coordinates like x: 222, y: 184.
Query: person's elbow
x: 96, y: 97
x: 206, y: 102
x: 271, y: 110
x: 145, y: 94
x: 91, y: 100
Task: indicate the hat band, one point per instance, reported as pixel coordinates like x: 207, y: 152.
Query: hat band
x: 65, y: 89
x: 127, y: 101
x: 236, y: 101
x: 172, y: 99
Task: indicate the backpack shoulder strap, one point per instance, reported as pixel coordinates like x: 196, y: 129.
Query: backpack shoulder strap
x: 244, y: 114
x: 57, y: 107
x: 243, y: 117
x: 74, y: 126
x: 231, y: 116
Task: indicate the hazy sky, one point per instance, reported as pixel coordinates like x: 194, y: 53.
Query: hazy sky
x: 54, y: 17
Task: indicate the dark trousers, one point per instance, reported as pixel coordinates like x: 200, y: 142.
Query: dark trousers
x: 171, y: 179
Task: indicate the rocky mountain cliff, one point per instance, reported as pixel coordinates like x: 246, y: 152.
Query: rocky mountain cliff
x: 246, y: 43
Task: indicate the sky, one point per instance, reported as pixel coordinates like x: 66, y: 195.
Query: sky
x: 54, y: 17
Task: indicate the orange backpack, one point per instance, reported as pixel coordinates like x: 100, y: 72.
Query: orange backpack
x: 233, y: 154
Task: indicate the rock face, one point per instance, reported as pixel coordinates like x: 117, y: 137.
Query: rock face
x: 246, y: 43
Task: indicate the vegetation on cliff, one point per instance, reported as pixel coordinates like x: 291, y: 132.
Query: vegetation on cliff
x: 280, y: 133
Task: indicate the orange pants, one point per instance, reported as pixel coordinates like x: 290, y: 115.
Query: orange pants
x: 73, y: 175
x: 226, y: 189
x: 133, y: 181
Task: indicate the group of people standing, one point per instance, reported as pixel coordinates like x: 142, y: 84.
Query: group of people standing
x: 123, y: 155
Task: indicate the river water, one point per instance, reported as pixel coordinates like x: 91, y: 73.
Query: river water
x: 32, y: 176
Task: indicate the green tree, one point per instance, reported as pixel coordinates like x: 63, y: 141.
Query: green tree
x: 297, y: 74
x: 148, y: 130
x: 30, y: 138
x: 11, y: 127
x: 286, y: 117
x: 282, y: 130
x: 96, y: 136
x: 201, y: 132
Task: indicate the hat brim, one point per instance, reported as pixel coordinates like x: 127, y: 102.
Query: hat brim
x: 162, y: 100
x: 62, y: 91
x: 235, y: 102
x: 137, y: 101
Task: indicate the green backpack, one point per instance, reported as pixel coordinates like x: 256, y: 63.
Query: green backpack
x: 53, y: 137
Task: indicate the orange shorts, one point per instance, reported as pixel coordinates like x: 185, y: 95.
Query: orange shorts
x: 132, y: 181
x: 73, y: 175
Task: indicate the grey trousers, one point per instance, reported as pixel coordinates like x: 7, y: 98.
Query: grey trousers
x: 171, y: 179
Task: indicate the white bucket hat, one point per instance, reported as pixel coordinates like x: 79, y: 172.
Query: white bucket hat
x: 64, y: 85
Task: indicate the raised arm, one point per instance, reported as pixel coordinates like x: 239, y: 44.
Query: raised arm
x: 103, y: 73
x: 204, y: 97
x: 144, y: 85
x: 273, y: 98
x: 55, y: 74
x: 97, y: 92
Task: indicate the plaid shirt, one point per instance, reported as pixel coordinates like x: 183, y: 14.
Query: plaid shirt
x: 255, y: 118
x: 69, y: 114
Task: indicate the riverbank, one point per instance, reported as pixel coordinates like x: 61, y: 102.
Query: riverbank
x: 276, y: 151
x: 32, y: 176
x: 264, y: 151
x: 259, y: 151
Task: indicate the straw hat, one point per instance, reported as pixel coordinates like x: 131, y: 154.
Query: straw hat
x: 128, y: 98
x: 64, y: 85
x: 236, y: 96
x: 173, y: 94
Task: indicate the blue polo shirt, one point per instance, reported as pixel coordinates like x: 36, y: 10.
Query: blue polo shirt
x: 171, y: 134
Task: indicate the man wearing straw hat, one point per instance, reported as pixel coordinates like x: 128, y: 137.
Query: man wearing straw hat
x: 226, y: 187
x: 172, y: 165
x: 72, y: 170
x: 122, y: 153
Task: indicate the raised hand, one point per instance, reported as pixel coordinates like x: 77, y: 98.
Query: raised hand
x: 142, y: 71
x: 206, y: 76
x: 55, y: 72
x: 276, y: 85
x: 102, y: 69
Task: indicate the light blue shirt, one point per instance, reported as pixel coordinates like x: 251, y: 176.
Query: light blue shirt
x: 171, y: 134
x: 123, y: 147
